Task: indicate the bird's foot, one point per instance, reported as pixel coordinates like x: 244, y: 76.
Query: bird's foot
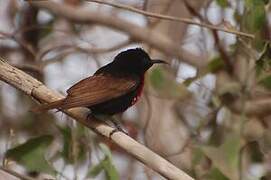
x: 125, y: 132
x: 118, y: 129
x: 115, y: 123
x: 121, y: 130
x: 113, y: 132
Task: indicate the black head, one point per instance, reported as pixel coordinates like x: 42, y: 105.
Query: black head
x: 134, y: 61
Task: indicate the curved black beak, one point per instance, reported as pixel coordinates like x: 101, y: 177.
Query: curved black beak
x: 158, y: 61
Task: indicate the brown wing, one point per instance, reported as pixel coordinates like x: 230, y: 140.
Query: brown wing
x: 97, y: 89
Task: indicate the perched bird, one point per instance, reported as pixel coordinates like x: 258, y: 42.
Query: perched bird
x: 112, y: 89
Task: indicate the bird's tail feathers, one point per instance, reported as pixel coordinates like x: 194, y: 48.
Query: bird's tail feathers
x: 45, y: 107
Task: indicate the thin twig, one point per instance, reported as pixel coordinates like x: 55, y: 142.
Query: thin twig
x: 13, y: 173
x: 137, y: 33
x: 73, y: 48
x: 223, y: 53
x: 172, y: 18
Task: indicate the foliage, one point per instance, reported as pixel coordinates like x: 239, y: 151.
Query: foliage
x: 31, y: 154
x: 105, y: 165
x: 73, y: 150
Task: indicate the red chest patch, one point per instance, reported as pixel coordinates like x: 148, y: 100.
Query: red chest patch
x: 139, y: 90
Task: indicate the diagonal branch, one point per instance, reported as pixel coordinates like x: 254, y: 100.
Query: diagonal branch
x: 172, y: 18
x: 137, y: 33
x: 14, y: 174
x: 40, y: 92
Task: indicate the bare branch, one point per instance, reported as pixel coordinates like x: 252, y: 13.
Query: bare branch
x: 259, y: 107
x: 137, y: 33
x: 74, y: 48
x: 223, y: 53
x: 15, y: 174
x: 172, y: 18
x: 40, y: 92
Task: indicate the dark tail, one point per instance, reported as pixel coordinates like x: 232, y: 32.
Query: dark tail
x: 45, y: 107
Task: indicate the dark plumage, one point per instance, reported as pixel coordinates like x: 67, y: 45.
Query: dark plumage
x: 112, y: 89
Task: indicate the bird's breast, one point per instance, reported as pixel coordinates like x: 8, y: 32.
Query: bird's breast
x: 139, y: 90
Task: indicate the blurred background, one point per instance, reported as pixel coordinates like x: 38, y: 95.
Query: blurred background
x: 210, y: 118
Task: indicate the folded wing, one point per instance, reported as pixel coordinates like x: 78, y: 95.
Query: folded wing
x: 97, y: 89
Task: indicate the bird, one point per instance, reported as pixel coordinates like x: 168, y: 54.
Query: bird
x: 112, y: 89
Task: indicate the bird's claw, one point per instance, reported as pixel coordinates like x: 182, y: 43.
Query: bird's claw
x: 125, y: 132
x: 121, y: 130
x: 112, y: 132
x: 117, y: 130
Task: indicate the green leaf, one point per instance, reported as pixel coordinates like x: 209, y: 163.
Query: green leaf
x: 255, y: 17
x: 215, y: 174
x: 73, y: 151
x: 157, y: 78
x: 225, y: 157
x: 110, y: 170
x: 231, y: 149
x: 254, y: 20
x: 105, y: 165
x: 31, y: 154
x: 95, y: 170
x: 222, y: 3
x: 215, y: 65
x: 105, y: 150
x: 67, y: 143
x: 266, y: 82
x: 264, y: 61
x: 260, y: 66
x: 82, y: 148
x: 189, y: 81
x: 167, y: 86
x: 197, y: 156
